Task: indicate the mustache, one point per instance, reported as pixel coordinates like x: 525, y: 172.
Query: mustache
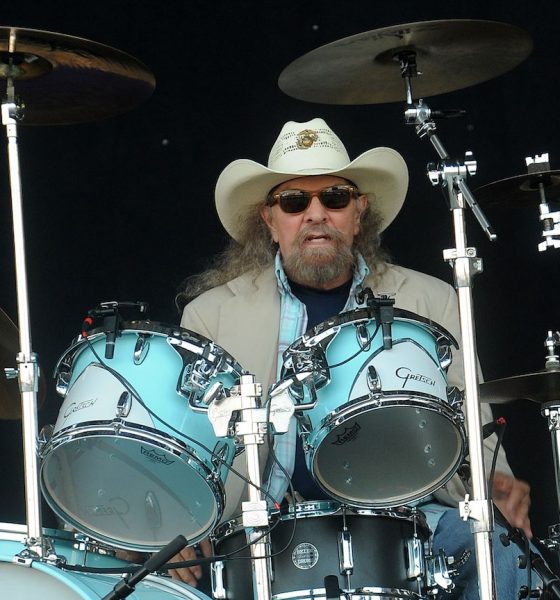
x: 318, y: 231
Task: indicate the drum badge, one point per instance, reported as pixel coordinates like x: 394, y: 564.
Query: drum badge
x: 305, y: 556
x: 348, y: 435
x: 306, y: 138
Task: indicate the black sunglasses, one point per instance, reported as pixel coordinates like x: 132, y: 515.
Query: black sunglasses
x: 296, y: 201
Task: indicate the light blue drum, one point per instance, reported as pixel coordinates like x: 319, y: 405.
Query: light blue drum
x: 33, y: 579
x: 132, y: 459
x: 382, y: 427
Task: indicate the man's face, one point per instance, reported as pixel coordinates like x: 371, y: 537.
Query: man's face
x: 316, y: 244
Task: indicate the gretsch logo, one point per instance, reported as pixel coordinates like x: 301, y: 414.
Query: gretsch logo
x: 75, y: 407
x: 407, y: 375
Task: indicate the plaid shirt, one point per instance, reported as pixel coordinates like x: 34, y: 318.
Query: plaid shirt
x: 293, y: 323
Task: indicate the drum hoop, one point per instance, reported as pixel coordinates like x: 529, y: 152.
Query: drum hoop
x: 184, y: 336
x: 366, y: 593
x: 16, y: 532
x: 215, y: 484
x: 328, y: 508
x: 364, y: 315
x: 355, y: 407
x: 136, y: 432
x: 335, y: 508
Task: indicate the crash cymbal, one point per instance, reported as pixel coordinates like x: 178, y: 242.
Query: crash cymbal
x: 361, y: 69
x: 520, y: 190
x: 63, y: 79
x: 10, y: 398
x: 543, y: 386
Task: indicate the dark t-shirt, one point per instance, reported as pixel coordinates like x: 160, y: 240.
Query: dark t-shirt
x: 320, y: 305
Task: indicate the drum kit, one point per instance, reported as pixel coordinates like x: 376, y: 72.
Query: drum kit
x: 153, y: 415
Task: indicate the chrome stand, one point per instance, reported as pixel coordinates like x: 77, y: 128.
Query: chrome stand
x: 27, y: 371
x: 252, y: 428
x: 451, y: 176
x: 551, y: 410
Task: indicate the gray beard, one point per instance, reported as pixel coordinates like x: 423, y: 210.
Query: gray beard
x: 317, y: 267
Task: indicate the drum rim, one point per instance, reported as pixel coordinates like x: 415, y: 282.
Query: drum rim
x: 217, y: 488
x: 146, y: 326
x: 17, y: 532
x: 359, y: 406
x: 308, y: 339
x: 363, y: 593
x: 331, y: 508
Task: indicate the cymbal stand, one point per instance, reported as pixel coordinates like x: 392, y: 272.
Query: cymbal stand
x: 251, y: 428
x: 551, y: 410
x: 451, y: 176
x: 550, y: 220
x: 27, y: 370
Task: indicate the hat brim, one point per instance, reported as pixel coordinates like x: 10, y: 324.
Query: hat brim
x: 381, y: 173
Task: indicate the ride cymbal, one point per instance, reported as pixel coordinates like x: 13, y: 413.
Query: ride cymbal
x: 364, y: 68
x: 542, y: 386
x: 63, y: 79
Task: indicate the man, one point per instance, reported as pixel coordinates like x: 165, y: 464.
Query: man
x: 306, y: 238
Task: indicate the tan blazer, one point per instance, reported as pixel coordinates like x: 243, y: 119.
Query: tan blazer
x: 242, y: 316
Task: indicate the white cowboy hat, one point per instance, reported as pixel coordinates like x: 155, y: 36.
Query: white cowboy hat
x: 310, y: 148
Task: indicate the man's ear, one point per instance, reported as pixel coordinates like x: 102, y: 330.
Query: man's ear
x: 266, y: 214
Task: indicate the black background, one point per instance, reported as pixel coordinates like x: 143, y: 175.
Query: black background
x: 123, y: 208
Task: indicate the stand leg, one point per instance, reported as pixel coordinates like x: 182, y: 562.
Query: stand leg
x: 27, y: 371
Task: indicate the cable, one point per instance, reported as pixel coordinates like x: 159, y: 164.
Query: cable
x: 137, y: 396
x: 346, y: 360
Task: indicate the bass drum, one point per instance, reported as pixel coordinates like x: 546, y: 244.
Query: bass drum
x: 38, y: 579
x: 133, y: 459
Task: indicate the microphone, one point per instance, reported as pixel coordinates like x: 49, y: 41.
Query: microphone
x: 125, y: 587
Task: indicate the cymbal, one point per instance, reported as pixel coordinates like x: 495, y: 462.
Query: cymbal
x: 63, y: 79
x: 542, y: 386
x: 361, y: 69
x: 10, y: 398
x: 520, y: 190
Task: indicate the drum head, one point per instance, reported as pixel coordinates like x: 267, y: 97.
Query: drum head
x: 416, y: 450
x: 146, y: 489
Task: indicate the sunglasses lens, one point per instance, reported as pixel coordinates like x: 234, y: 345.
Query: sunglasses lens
x: 335, y: 197
x: 294, y: 201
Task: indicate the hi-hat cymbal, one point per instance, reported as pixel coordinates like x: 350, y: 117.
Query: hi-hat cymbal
x: 543, y: 386
x: 520, y: 190
x: 63, y: 79
x: 361, y: 69
x: 10, y: 398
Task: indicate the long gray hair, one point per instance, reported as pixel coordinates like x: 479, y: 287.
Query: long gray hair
x: 256, y: 251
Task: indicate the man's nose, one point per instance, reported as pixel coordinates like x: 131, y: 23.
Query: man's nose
x: 315, y: 212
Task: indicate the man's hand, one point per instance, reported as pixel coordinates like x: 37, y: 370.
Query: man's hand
x: 190, y: 575
x: 512, y: 497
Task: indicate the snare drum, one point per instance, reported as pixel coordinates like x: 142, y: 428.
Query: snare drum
x: 373, y: 553
x: 133, y: 459
x: 382, y: 427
